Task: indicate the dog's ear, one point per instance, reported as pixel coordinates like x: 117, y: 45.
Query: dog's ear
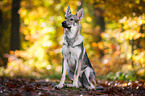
x: 79, y: 14
x: 68, y: 11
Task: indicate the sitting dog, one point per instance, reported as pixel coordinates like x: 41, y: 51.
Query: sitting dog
x: 75, y: 59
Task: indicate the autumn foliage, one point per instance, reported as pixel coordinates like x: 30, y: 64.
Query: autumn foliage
x: 114, y: 32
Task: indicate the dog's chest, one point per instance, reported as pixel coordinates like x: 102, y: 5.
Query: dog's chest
x: 72, y: 54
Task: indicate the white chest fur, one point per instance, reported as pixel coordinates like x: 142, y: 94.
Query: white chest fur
x: 72, y: 54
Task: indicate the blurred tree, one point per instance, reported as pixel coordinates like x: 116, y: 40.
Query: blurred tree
x: 99, y: 14
x: 1, y: 22
x: 5, y: 7
x: 99, y: 20
x: 1, y: 32
x: 15, y: 24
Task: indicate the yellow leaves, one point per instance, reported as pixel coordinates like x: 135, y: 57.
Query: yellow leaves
x: 139, y: 57
x: 141, y: 22
x: 132, y: 26
x: 39, y: 27
x: 47, y: 30
x: 89, y: 19
x: 59, y: 18
x: 94, y: 44
x: 58, y: 68
x: 78, y: 3
x: 131, y: 30
x: 123, y: 19
x: 40, y: 10
x: 26, y: 21
x: 132, y: 22
x: 43, y: 64
x: 126, y: 67
x: 48, y: 2
x: 141, y: 72
x: 48, y: 66
x: 131, y: 34
x: 37, y: 13
x: 138, y: 35
x: 140, y: 8
x: 47, y: 44
x: 137, y: 1
x: 130, y: 5
x: 22, y: 12
x: 85, y: 25
x: 143, y: 35
x: 99, y: 45
x: 57, y: 7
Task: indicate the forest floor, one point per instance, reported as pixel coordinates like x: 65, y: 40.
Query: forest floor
x: 35, y: 87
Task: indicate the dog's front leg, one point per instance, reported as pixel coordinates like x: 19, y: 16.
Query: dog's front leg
x: 76, y: 74
x: 64, y: 69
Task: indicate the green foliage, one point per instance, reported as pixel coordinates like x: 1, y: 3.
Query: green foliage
x: 130, y: 75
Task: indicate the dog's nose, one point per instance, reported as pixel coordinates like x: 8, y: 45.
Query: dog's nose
x: 64, y: 22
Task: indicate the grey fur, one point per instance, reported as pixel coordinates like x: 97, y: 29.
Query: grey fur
x: 75, y: 59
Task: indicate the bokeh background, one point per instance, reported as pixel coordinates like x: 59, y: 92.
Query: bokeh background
x: 31, y: 37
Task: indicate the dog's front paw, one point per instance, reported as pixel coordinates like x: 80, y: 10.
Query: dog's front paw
x: 76, y: 86
x: 59, y: 86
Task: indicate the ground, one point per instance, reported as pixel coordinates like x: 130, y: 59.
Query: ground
x: 35, y: 87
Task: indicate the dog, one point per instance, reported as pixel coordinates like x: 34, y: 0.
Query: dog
x: 75, y: 60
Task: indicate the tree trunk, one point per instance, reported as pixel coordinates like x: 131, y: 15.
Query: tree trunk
x: 15, y: 24
x: 101, y: 23
x: 99, y: 20
x: 1, y: 22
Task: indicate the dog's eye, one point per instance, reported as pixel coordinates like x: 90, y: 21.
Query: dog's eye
x: 71, y: 19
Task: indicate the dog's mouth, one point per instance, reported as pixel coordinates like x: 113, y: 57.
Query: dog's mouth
x: 64, y: 25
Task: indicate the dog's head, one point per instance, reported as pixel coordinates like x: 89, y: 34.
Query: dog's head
x: 72, y: 20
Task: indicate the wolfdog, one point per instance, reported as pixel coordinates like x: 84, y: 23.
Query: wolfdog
x: 75, y: 60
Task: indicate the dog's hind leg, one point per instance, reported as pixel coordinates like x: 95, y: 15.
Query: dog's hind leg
x: 71, y: 76
x: 87, y: 76
x: 64, y: 69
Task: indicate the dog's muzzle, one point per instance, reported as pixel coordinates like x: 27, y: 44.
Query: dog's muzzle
x: 64, y: 25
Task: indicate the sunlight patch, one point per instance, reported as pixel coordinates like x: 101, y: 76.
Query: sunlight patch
x: 48, y: 67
